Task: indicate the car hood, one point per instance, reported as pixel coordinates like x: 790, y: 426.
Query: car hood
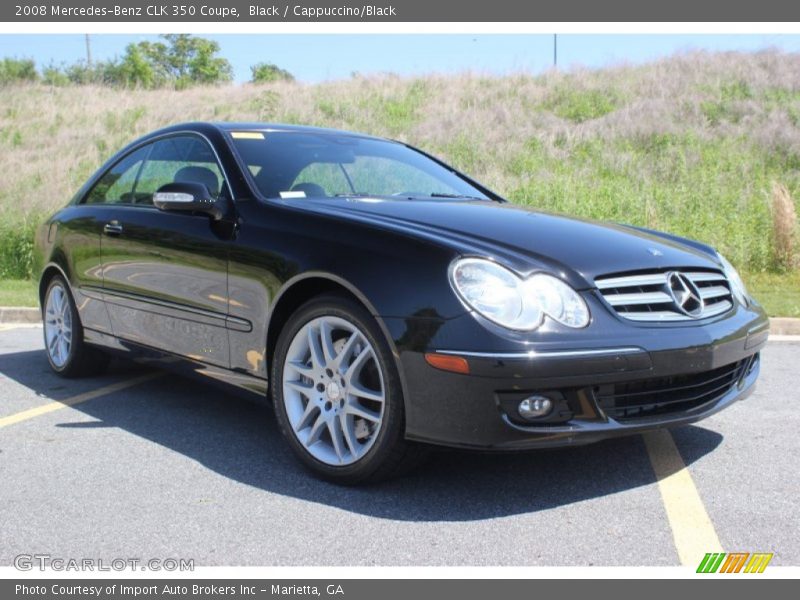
x: 525, y: 239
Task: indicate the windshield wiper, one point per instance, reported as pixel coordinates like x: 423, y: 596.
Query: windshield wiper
x: 462, y: 196
x: 410, y: 195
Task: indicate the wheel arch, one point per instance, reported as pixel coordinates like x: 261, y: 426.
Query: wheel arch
x: 50, y: 270
x: 308, y: 285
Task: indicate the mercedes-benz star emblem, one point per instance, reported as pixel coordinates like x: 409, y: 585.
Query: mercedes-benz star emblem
x: 685, y: 294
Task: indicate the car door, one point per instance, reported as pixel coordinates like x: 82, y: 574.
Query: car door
x: 165, y: 273
x: 80, y: 229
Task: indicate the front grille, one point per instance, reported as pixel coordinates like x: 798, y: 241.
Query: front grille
x: 647, y: 297
x: 665, y: 395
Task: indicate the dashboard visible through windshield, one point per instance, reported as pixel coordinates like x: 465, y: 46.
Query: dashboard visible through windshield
x: 287, y: 164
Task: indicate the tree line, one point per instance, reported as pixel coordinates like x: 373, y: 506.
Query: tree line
x: 175, y: 61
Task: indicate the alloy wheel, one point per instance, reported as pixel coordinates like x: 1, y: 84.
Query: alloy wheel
x: 333, y: 390
x: 58, y: 325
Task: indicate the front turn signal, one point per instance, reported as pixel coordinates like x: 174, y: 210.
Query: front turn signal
x: 445, y: 362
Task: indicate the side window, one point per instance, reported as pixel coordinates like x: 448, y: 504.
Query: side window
x: 180, y: 159
x: 116, y: 186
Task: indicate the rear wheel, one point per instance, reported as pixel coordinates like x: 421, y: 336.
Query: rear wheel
x: 66, y: 351
x: 337, y: 394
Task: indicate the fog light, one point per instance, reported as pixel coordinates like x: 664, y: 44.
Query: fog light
x: 535, y: 407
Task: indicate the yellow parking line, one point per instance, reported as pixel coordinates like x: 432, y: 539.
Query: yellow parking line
x: 59, y: 404
x: 692, y: 529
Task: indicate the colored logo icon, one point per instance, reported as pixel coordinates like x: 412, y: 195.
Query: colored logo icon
x: 734, y: 562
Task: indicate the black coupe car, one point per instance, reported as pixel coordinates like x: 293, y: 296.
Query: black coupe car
x: 384, y: 301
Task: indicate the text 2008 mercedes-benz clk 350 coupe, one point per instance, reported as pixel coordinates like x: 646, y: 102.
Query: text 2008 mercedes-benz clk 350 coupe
x: 385, y: 301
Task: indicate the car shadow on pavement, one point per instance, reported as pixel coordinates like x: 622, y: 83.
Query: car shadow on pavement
x: 240, y: 440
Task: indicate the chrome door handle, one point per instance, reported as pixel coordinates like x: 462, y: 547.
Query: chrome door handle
x: 112, y: 228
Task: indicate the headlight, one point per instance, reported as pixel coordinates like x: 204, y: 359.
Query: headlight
x: 557, y: 300
x: 737, y: 285
x: 504, y: 298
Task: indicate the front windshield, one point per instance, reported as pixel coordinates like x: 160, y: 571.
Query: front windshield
x: 288, y: 164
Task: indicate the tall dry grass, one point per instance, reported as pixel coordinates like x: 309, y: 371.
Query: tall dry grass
x: 690, y: 144
x: 784, y: 227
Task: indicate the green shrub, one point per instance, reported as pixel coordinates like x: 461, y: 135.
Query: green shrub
x: 16, y: 246
x: 582, y: 105
x: 17, y: 70
x: 268, y: 72
x: 54, y: 75
x: 723, y: 107
x: 397, y: 112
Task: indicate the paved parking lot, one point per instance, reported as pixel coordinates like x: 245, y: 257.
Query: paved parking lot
x: 142, y: 464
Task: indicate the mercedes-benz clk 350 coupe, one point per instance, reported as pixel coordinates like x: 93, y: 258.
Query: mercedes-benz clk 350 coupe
x: 385, y: 302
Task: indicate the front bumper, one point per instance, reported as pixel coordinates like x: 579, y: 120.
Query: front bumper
x: 478, y: 410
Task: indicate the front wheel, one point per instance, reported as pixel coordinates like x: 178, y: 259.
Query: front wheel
x: 337, y: 394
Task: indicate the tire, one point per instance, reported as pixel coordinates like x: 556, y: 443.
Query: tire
x: 66, y: 351
x: 340, y: 408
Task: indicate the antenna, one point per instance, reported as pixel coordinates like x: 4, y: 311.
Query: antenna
x: 88, y: 51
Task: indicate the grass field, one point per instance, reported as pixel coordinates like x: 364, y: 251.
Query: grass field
x: 692, y: 144
x: 18, y: 292
x: 779, y: 293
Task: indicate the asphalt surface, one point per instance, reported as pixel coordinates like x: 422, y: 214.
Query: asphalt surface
x: 171, y: 468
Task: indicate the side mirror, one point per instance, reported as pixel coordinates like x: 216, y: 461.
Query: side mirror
x: 187, y: 197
